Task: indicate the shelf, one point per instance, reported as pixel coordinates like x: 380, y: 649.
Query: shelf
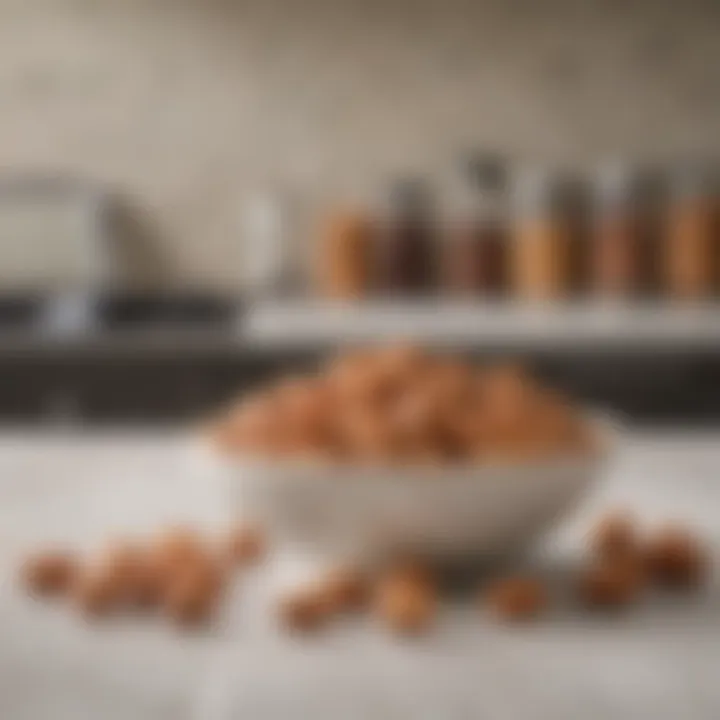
x: 578, y: 326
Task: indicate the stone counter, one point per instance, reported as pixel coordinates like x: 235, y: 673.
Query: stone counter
x: 659, y: 661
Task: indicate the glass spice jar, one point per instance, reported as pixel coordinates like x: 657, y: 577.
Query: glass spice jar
x: 540, y: 245
x: 345, y: 263
x: 407, y: 244
x: 689, y: 261
x: 617, y: 257
x: 574, y: 213
x: 475, y: 247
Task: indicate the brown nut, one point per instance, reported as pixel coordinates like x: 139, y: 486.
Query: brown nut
x: 252, y: 424
x: 611, y: 583
x: 149, y: 586
x: 675, y: 559
x: 178, y: 546
x: 191, y: 599
x: 344, y: 589
x: 127, y: 565
x: 206, y: 570
x: 246, y: 545
x: 452, y: 383
x: 614, y: 536
x: 368, y: 435
x: 412, y: 570
x: 97, y: 592
x: 139, y: 573
x: 507, y: 393
x: 304, y: 610
x: 516, y: 598
x: 405, y: 606
x: 195, y: 564
x: 395, y: 367
x: 192, y: 590
x: 414, y: 415
x: 49, y: 573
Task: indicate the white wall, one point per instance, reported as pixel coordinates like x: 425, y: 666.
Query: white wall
x: 185, y: 103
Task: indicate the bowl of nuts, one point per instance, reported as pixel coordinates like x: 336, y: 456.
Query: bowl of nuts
x: 398, y: 451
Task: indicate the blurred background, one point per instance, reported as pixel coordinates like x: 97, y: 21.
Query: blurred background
x: 195, y: 196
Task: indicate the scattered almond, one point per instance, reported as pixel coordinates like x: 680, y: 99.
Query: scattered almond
x: 611, y: 583
x: 675, y: 558
x: 516, y: 598
x: 304, y: 610
x: 49, y: 573
x: 246, y: 545
x: 407, y: 607
x: 614, y: 536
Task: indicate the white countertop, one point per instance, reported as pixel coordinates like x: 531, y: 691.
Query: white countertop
x: 660, y: 661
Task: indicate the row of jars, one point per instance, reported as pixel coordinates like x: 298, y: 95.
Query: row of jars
x: 532, y: 235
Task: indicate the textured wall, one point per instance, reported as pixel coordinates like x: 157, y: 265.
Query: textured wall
x: 183, y: 104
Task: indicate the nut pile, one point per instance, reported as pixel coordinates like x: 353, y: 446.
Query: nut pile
x: 183, y: 578
x: 625, y: 562
x: 399, y: 404
x: 178, y: 574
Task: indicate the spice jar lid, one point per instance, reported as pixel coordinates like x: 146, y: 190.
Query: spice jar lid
x: 486, y: 171
x: 407, y: 197
x: 695, y: 178
x: 409, y: 193
x: 534, y: 190
x: 625, y: 184
x: 615, y: 183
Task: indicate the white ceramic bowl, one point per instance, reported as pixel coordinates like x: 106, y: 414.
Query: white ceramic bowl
x: 445, y: 513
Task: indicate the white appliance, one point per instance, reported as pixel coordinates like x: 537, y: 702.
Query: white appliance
x: 51, y: 236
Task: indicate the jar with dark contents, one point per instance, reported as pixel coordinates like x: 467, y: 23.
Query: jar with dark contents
x: 617, y: 256
x: 689, y: 258
x: 475, y: 244
x: 407, y: 242
x: 575, y: 216
x: 540, y: 244
x: 651, y: 203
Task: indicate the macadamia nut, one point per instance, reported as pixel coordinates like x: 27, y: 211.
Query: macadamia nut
x: 49, y: 573
x: 614, y: 536
x: 304, y: 610
x: 516, y: 598
x: 99, y: 592
x: 407, y: 605
x: 344, y: 589
x: 246, y: 544
x: 612, y: 583
x: 191, y: 598
x: 675, y: 558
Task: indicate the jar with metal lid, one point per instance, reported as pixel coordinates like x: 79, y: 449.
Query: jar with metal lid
x: 540, y: 246
x: 618, y: 254
x: 575, y: 216
x: 475, y: 242
x: 689, y: 261
x: 408, y: 241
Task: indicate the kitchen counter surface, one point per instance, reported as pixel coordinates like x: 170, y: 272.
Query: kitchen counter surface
x: 659, y: 661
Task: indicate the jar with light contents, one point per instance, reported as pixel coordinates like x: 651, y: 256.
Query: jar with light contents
x: 689, y: 258
x: 346, y: 255
x: 540, y: 245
